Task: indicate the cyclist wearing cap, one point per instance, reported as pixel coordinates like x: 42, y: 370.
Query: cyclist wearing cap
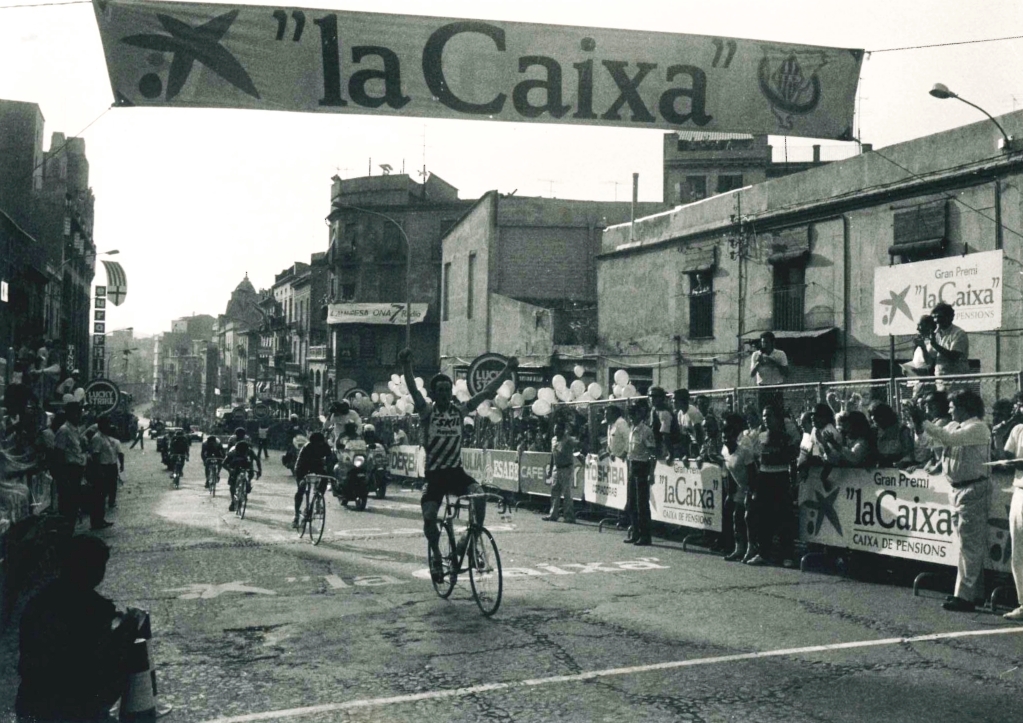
x: 441, y: 422
x: 315, y: 457
x: 239, y: 457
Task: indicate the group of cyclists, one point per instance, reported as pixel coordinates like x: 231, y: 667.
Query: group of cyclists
x: 441, y: 421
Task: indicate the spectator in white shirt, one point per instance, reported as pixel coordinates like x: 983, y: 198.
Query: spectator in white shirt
x: 948, y: 347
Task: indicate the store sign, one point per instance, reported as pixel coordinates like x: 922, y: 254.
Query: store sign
x: 102, y: 396
x: 259, y: 57
x: 391, y: 314
x: 484, y: 369
x: 972, y: 284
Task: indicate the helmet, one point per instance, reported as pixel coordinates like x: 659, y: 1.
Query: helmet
x: 368, y: 428
x: 239, y: 432
x: 212, y: 440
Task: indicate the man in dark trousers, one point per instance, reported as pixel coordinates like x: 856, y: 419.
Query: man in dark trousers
x: 73, y: 654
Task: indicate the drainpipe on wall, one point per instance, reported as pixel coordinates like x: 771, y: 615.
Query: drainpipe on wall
x: 846, y: 283
x: 635, y: 199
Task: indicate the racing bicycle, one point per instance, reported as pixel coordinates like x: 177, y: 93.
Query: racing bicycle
x: 241, y: 491
x: 476, y: 553
x: 314, y: 513
x: 213, y: 474
x: 179, y: 463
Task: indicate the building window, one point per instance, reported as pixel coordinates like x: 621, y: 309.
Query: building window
x: 367, y: 345
x: 471, y: 284
x: 729, y: 182
x: 693, y: 188
x: 701, y: 378
x: 701, y: 304
x: 789, y: 296
x: 446, y: 292
x: 347, y: 292
x: 921, y: 232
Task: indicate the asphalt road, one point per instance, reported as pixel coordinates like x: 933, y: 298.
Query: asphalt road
x: 253, y: 624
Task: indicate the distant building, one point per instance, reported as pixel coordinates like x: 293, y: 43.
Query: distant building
x: 367, y: 266
x: 519, y: 277
x: 181, y: 364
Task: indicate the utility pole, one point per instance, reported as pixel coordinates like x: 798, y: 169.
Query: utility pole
x: 739, y: 249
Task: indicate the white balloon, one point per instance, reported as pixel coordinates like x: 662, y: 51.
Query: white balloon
x: 578, y: 370
x: 463, y: 395
x: 374, y: 397
x: 578, y: 387
x: 558, y: 382
x: 79, y: 394
x: 358, y: 396
x: 621, y: 377
x: 529, y: 394
x: 547, y: 394
x: 618, y: 390
x: 517, y: 399
x: 594, y: 390
x: 501, y: 402
x: 419, y: 382
x: 504, y: 393
x: 564, y: 394
x: 484, y: 408
x: 67, y: 398
x: 395, y: 378
x: 389, y: 399
x: 541, y: 407
x: 495, y: 416
x: 461, y: 384
x: 630, y: 391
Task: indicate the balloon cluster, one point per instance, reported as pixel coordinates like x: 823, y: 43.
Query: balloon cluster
x: 78, y: 396
x: 397, y: 402
x: 561, y: 391
x: 623, y: 388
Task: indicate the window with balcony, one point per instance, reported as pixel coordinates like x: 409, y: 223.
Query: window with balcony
x: 701, y: 304
x: 789, y: 297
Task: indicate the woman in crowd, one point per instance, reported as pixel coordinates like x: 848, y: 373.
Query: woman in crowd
x: 740, y: 455
x: 851, y: 446
x: 894, y: 443
x: 770, y: 505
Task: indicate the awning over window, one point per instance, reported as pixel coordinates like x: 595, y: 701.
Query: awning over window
x: 699, y: 259
x: 790, y: 246
x: 780, y: 335
x: 789, y: 256
x: 923, y: 246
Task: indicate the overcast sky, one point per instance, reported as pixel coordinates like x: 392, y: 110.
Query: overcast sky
x: 194, y: 199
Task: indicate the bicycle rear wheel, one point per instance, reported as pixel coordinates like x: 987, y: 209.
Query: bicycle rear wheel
x: 318, y: 519
x: 448, y: 561
x: 241, y: 496
x: 485, y: 571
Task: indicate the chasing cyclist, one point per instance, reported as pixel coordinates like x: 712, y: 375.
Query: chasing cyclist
x: 316, y: 457
x: 212, y: 452
x: 240, y: 457
x: 441, y: 424
x: 179, y: 449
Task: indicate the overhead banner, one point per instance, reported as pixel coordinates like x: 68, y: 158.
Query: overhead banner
x: 393, y: 314
x: 166, y: 54
x: 972, y: 284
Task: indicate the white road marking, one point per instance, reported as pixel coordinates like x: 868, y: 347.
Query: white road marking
x: 595, y: 674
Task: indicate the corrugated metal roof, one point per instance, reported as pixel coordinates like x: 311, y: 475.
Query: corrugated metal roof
x: 706, y: 136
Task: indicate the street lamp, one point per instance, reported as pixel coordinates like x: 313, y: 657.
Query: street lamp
x: 408, y: 260
x: 1006, y: 143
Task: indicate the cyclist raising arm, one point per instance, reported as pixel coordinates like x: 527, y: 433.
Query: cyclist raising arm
x: 441, y: 422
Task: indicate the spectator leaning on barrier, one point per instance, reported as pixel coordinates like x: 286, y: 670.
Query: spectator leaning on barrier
x: 662, y: 423
x: 967, y: 441
x: 641, y: 467
x: 851, y: 446
x: 936, y: 411
x: 617, y: 432
x: 1014, y: 450
x: 690, y: 429
x: 948, y: 346
x: 894, y: 440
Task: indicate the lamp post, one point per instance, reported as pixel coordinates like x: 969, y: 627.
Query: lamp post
x: 408, y: 260
x: 1006, y: 143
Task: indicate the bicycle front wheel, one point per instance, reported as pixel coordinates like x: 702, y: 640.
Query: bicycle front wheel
x: 448, y: 561
x: 242, y: 496
x: 485, y: 571
x: 317, y: 519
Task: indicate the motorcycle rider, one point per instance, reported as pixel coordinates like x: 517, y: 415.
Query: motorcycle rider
x: 240, y: 457
x: 211, y: 449
x: 341, y: 413
x: 316, y: 457
x: 348, y: 446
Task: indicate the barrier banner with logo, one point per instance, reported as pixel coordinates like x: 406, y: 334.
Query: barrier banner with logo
x: 533, y: 473
x: 502, y: 469
x: 899, y: 514
x: 687, y: 495
x: 286, y: 58
x: 606, y: 482
x: 474, y: 462
x: 406, y: 460
x: 971, y: 283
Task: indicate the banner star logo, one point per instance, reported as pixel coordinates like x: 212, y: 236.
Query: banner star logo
x: 896, y: 303
x: 824, y: 507
x: 190, y: 44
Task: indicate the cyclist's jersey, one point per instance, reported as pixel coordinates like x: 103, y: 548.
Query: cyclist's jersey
x: 212, y: 452
x: 311, y: 460
x: 241, y: 455
x: 443, y: 434
x: 179, y: 445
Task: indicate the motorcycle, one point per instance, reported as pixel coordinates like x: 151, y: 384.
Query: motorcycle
x: 352, y: 473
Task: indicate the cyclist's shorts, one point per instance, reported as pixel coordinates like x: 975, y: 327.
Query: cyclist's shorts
x: 440, y: 482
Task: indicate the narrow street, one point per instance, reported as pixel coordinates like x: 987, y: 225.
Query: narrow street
x: 252, y: 623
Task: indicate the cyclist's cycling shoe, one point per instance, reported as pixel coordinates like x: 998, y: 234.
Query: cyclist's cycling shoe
x: 437, y: 570
x: 294, y: 523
